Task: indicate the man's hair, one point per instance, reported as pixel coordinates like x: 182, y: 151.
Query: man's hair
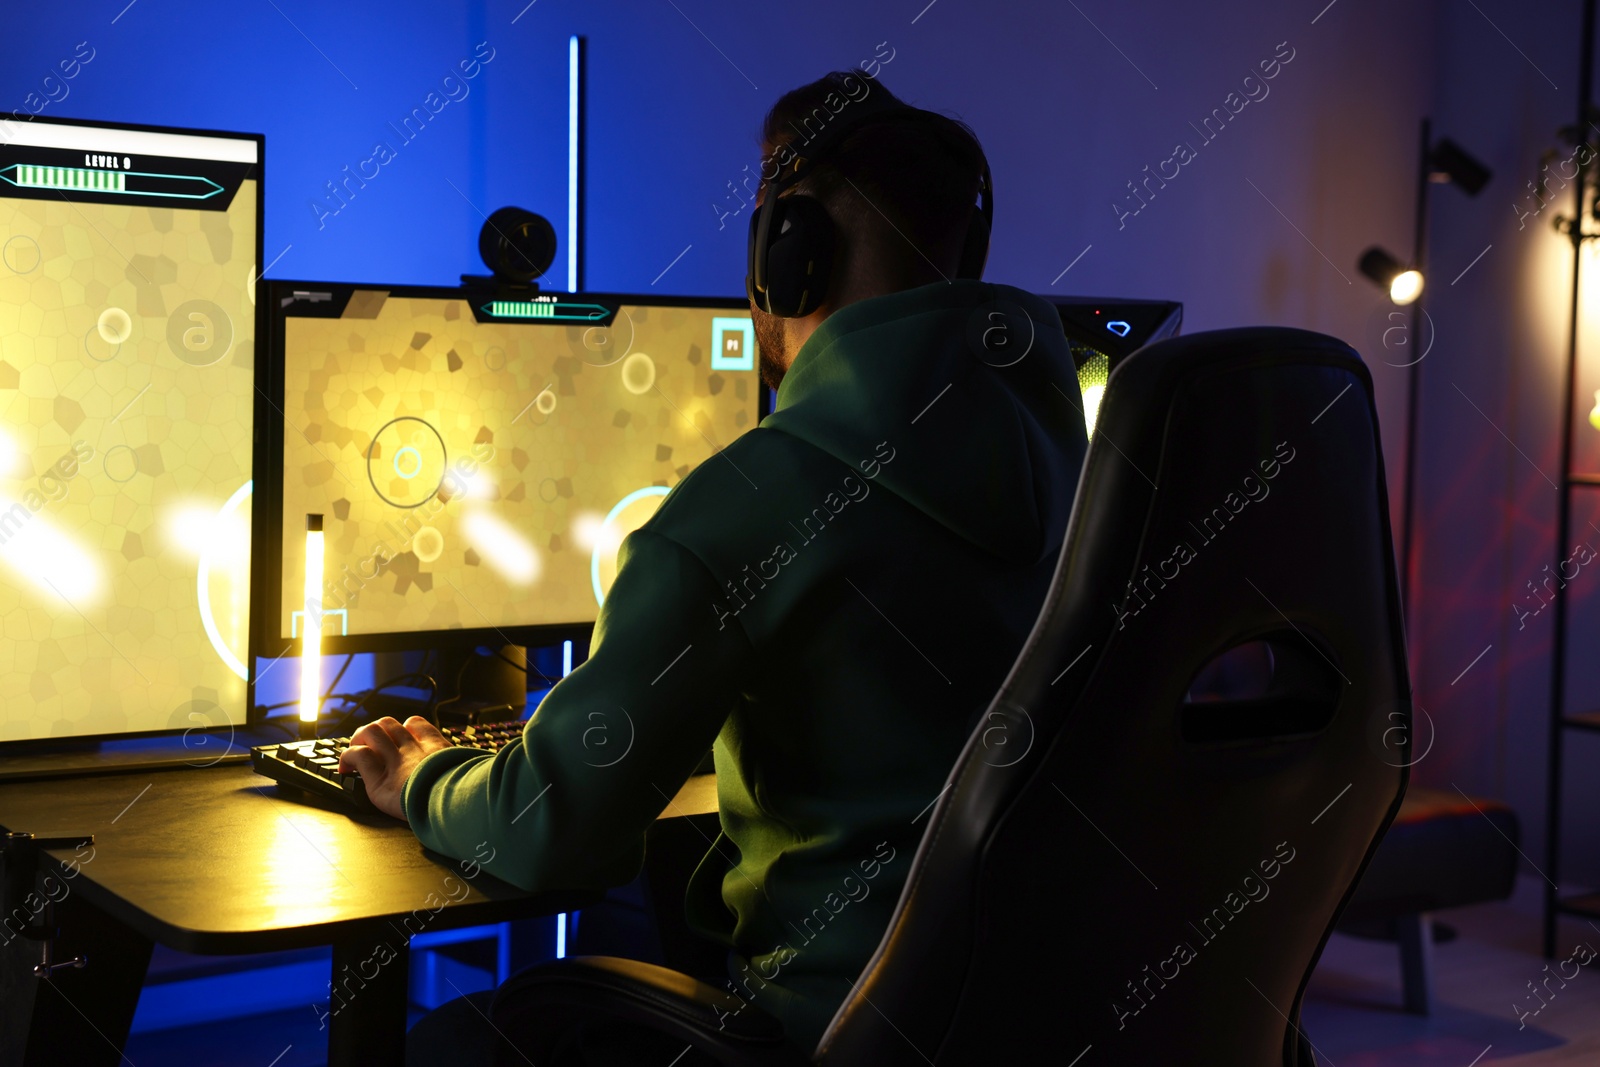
x: 921, y: 177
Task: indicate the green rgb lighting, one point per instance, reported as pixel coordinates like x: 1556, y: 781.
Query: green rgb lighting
x: 108, y: 181
x: 82, y: 179
x: 521, y: 309
x: 560, y: 310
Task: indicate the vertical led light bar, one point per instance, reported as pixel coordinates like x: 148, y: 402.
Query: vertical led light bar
x: 574, y: 80
x: 561, y: 919
x: 311, y: 631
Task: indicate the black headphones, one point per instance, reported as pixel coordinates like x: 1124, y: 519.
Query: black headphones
x: 792, y: 238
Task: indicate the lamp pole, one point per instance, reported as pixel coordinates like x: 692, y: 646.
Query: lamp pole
x: 1558, y: 657
x: 1419, y: 248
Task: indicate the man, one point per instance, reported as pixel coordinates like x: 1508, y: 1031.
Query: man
x: 833, y: 599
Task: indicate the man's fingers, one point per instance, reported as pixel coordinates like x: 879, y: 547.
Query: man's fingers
x: 375, y: 736
x: 425, y: 732
x: 398, y: 735
x: 359, y: 759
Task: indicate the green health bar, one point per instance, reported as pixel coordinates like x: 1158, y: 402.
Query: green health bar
x: 129, y: 183
x: 532, y: 309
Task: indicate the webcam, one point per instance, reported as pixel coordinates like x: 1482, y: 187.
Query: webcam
x: 517, y: 246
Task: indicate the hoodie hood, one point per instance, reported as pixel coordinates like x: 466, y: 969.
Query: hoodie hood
x: 973, y: 386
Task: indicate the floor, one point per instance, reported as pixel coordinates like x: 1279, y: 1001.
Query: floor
x: 1352, y: 1011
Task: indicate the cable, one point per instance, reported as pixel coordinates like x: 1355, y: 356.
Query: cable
x: 361, y: 699
x: 278, y: 724
x: 343, y: 667
x: 460, y: 674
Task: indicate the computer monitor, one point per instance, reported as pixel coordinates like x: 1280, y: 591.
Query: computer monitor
x: 128, y: 264
x: 1102, y: 330
x: 477, y: 458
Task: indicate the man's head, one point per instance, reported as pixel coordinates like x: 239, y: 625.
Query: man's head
x: 899, y: 190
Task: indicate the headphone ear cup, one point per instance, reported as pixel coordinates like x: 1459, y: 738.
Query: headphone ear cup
x: 799, y: 256
x: 755, y: 257
x: 975, y: 248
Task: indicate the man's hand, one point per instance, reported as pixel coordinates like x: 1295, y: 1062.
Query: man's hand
x: 385, y: 753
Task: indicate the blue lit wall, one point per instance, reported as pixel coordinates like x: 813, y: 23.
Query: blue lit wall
x: 1068, y: 118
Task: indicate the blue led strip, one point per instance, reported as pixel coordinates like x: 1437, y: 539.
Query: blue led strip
x: 561, y: 919
x: 573, y: 82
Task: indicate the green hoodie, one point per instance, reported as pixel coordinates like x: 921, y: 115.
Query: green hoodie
x: 833, y: 599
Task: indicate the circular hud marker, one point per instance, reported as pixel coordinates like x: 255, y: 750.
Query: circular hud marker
x: 407, y: 462
x: 638, y: 373
x: 628, y: 515
x: 601, y: 346
x: 427, y: 544
x: 123, y: 467
x: 114, y: 326
x: 21, y: 254
x: 97, y: 348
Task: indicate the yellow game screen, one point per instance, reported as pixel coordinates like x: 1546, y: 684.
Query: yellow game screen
x: 128, y: 262
x: 477, y: 463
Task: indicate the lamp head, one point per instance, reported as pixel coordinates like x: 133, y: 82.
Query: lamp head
x: 1449, y: 162
x: 1403, y: 283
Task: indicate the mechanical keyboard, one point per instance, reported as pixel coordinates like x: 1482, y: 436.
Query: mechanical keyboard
x: 313, y: 766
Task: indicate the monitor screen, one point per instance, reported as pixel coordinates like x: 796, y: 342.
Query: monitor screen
x: 477, y: 461
x: 128, y: 264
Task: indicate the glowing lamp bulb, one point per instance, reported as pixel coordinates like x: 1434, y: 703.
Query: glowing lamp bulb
x: 1406, y: 287
x: 311, y: 633
x: 1594, y: 413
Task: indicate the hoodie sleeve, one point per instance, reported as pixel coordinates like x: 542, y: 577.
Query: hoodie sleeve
x: 567, y: 805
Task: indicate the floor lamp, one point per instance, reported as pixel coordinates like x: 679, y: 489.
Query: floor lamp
x: 1441, y: 162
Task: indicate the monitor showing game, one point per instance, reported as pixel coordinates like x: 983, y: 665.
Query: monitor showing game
x: 477, y: 461
x: 128, y: 263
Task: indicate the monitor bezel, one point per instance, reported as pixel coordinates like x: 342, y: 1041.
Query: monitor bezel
x: 241, y: 717
x: 268, y: 643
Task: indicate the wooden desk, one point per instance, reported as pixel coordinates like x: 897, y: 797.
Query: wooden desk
x: 215, y: 862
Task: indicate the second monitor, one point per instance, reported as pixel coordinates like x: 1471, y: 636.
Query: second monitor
x: 478, y: 461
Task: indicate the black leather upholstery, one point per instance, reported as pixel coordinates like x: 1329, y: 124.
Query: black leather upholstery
x: 1101, y: 816
x: 544, y: 1012
x: 1046, y: 886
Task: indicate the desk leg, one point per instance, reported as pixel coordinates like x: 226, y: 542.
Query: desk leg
x: 78, y: 1016
x: 368, y: 1029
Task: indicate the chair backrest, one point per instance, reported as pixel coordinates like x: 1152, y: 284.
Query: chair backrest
x: 1138, y: 859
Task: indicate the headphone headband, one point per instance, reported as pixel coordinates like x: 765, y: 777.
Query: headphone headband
x: 800, y: 296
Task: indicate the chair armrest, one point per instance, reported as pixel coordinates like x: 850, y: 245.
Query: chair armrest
x: 544, y: 1011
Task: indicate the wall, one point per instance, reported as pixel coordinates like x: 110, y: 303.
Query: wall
x: 1263, y: 225
x: 1072, y: 101
x: 1491, y: 428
